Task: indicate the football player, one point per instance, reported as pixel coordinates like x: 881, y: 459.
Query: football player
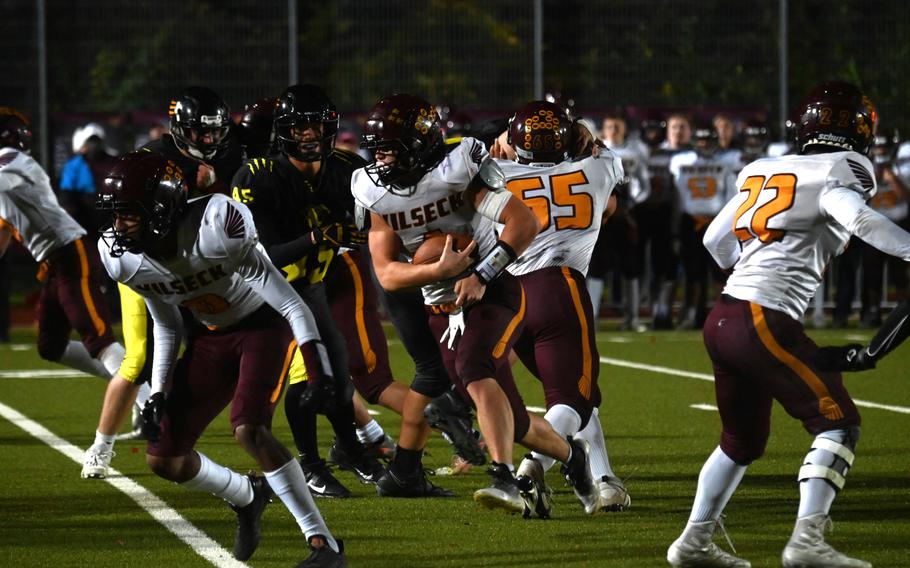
x: 791, y: 216
x: 202, y: 141
x: 755, y: 140
x: 570, y: 194
x: 657, y: 218
x: 298, y: 200
x: 256, y: 128
x: 728, y: 147
x: 71, y: 294
x: 203, y: 255
x: 621, y: 240
x: 704, y: 182
x: 414, y: 187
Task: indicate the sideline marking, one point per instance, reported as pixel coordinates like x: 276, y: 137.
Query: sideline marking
x: 197, y: 540
x: 43, y: 374
x: 710, y: 407
x: 707, y: 377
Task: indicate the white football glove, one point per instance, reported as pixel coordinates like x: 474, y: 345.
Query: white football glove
x: 456, y: 328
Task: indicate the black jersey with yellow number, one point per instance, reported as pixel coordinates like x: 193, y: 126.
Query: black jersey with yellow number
x: 226, y: 163
x: 287, y: 205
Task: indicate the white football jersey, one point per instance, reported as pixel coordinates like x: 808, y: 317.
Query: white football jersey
x: 703, y: 184
x: 635, y: 165
x: 791, y: 216
x: 437, y: 204
x: 29, y: 206
x: 212, y: 242
x: 569, y: 200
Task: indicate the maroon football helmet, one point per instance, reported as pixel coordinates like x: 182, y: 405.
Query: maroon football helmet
x: 15, y: 131
x: 149, y: 186
x: 836, y: 115
x: 541, y: 132
x: 409, y: 127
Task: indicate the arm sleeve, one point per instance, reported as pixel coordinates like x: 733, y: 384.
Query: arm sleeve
x: 135, y: 335
x: 848, y: 207
x: 720, y: 240
x: 166, y: 334
x: 262, y: 276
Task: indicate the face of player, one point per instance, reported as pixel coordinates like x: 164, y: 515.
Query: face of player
x: 385, y: 157
x: 725, y: 132
x: 614, y: 131
x: 309, y: 135
x: 679, y: 133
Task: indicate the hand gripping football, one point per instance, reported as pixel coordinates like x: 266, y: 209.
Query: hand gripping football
x: 433, y: 244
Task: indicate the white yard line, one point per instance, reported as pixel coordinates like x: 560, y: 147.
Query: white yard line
x: 707, y: 377
x: 152, y: 504
x: 43, y: 374
x: 710, y: 407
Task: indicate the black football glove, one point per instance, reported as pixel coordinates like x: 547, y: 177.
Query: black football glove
x: 849, y: 358
x: 318, y: 394
x: 342, y: 235
x: 152, y: 414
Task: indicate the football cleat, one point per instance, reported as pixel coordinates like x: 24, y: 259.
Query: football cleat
x: 449, y: 414
x: 578, y: 474
x: 249, y: 518
x: 537, y: 496
x: 382, y: 449
x: 321, y: 482
x: 96, y: 463
x: 612, y: 494
x: 365, y: 467
x: 695, y: 549
x: 416, y: 485
x: 503, y: 493
x: 324, y: 556
x: 807, y: 547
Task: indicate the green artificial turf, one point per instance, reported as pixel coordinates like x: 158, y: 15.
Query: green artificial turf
x: 51, y: 517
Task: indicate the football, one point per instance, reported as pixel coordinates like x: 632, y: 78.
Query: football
x: 433, y: 243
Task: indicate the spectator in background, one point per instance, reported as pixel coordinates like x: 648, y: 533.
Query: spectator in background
x: 155, y: 132
x: 83, y: 174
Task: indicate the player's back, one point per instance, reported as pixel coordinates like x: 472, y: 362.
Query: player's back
x: 569, y: 200
x: 786, y: 237
x: 31, y: 207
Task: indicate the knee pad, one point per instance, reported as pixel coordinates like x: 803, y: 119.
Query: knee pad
x: 831, y: 457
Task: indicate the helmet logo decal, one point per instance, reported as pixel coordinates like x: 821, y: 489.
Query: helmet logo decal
x: 545, y: 119
x: 172, y: 108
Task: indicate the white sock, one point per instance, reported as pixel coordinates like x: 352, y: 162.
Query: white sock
x: 597, y: 447
x: 222, y: 482
x: 142, y: 395
x: 595, y: 288
x: 290, y: 486
x: 112, y: 357
x: 815, y: 497
x: 717, y: 481
x: 566, y: 422
x: 103, y: 442
x: 371, y: 433
x: 76, y: 356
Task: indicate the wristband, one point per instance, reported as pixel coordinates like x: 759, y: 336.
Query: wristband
x: 494, y: 262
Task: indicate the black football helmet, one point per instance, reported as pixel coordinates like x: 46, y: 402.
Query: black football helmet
x: 456, y: 126
x: 755, y: 139
x: 653, y: 129
x: 15, y: 131
x: 563, y: 101
x: 884, y: 144
x: 541, y: 132
x: 705, y: 139
x: 301, y: 106
x: 836, y: 115
x: 200, y: 122
x: 146, y: 185
x: 409, y: 127
x: 256, y: 127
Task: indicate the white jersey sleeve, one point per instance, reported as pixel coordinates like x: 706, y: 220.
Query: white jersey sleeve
x: 29, y: 206
x: 166, y: 326
x: 569, y: 200
x: 228, y: 231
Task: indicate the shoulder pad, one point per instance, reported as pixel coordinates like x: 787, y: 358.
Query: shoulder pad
x: 352, y: 158
x: 227, y: 229
x: 121, y: 269
x: 492, y: 175
x: 853, y: 171
x: 243, y: 188
x: 363, y: 189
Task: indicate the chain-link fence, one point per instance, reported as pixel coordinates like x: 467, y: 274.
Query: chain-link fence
x: 110, y: 56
